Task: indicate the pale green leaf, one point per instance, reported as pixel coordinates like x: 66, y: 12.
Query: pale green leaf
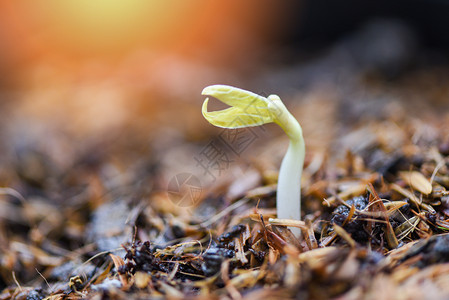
x: 235, y: 117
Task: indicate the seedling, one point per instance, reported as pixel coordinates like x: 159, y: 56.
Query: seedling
x: 249, y: 109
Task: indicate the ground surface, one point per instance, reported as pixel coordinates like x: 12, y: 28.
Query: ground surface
x: 115, y: 199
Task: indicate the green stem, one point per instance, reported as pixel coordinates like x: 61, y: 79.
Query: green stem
x: 289, y: 181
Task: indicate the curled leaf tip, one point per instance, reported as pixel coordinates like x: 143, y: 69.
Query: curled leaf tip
x: 211, y: 89
x: 247, y: 108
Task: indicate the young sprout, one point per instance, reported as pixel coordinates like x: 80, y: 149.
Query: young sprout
x: 249, y: 109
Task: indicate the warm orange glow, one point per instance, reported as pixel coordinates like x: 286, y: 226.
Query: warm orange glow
x: 111, y: 25
x: 104, y: 28
x: 92, y: 65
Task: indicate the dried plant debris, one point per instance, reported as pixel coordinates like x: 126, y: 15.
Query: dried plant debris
x: 365, y: 225
x: 374, y: 224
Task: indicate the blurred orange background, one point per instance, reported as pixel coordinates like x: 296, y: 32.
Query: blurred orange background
x: 89, y: 65
x: 72, y: 31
